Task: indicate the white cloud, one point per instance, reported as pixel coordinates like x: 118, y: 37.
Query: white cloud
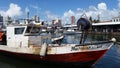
x: 119, y: 4
x: 50, y: 16
x: 93, y: 11
x: 14, y: 10
x: 69, y: 13
x: 102, y: 6
x: 27, y: 10
x: 2, y: 13
x: 92, y: 8
x: 35, y: 7
x: 66, y: 18
x: 101, y: 9
x: 79, y: 9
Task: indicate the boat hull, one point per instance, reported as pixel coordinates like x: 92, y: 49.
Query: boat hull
x: 83, y: 59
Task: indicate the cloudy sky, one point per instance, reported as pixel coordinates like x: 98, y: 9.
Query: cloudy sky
x: 63, y: 9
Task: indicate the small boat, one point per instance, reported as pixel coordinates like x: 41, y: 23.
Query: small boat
x: 69, y: 32
x: 32, y: 48
x: 57, y: 38
x: 43, y: 30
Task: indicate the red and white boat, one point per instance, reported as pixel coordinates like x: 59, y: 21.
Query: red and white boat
x: 31, y: 48
x: 23, y: 44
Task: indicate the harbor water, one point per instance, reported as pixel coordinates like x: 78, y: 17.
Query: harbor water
x: 110, y: 60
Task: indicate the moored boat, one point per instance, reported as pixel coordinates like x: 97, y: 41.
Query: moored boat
x: 22, y: 44
x: 69, y: 32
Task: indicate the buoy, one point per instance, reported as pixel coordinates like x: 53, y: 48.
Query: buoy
x: 113, y: 39
x: 43, y: 49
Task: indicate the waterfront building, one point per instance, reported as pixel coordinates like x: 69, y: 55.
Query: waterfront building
x: 68, y: 26
x: 1, y: 21
x: 107, y: 26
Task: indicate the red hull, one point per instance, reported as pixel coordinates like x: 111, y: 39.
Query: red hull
x: 1, y: 34
x: 90, y: 57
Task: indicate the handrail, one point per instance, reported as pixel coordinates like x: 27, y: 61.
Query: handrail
x: 95, y: 43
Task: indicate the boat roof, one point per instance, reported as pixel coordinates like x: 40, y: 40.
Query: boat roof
x: 17, y: 26
x: 106, y: 23
x: 70, y: 26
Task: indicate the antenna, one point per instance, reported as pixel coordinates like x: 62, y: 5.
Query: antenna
x: 98, y: 17
x: 27, y: 12
x: 37, y: 11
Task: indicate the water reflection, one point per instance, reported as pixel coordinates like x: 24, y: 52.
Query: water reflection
x: 71, y: 39
x: 110, y: 60
x: 17, y: 63
x: 117, y: 48
x: 99, y: 37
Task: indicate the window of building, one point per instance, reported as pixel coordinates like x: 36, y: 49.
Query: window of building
x: 114, y: 20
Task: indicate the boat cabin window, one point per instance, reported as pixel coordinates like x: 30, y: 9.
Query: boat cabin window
x: 19, y: 30
x: 32, y: 30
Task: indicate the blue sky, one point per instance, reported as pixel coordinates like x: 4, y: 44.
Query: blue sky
x: 63, y: 9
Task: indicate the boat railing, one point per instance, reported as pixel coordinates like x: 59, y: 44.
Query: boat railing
x: 93, y: 46
x: 95, y: 43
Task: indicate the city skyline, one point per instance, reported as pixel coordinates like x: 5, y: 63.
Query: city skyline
x: 63, y: 9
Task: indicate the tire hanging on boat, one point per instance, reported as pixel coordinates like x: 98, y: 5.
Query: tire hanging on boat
x: 83, y: 24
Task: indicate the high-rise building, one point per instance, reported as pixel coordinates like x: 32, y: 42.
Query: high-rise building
x: 1, y: 21
x: 72, y: 19
x: 1, y: 18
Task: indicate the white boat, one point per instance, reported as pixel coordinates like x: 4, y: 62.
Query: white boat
x: 69, y: 32
x: 43, y: 30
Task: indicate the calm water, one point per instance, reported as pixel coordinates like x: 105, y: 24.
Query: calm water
x: 110, y: 60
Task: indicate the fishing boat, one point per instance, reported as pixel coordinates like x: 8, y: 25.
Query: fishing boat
x: 22, y: 44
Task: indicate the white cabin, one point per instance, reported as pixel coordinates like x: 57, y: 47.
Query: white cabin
x: 15, y: 36
x: 19, y: 36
